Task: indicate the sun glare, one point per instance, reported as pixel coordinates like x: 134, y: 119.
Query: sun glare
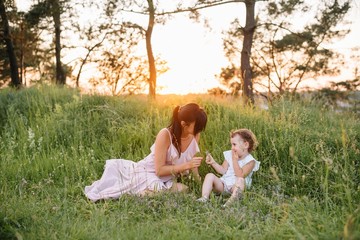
x: 193, y: 57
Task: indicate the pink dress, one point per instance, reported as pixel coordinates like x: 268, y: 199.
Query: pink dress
x: 127, y: 177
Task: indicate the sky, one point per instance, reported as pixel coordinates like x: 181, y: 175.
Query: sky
x: 194, y: 54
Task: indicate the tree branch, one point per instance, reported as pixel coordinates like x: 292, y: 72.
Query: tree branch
x: 190, y: 9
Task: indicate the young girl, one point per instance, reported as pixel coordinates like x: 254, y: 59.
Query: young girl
x: 236, y: 170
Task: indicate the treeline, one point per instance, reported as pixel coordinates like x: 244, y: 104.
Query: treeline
x: 278, y: 47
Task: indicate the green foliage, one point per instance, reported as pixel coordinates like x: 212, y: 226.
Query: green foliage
x: 285, y: 54
x: 340, y: 95
x: 4, y: 65
x: 230, y: 77
x: 293, y: 41
x: 284, y: 7
x: 38, y: 11
x: 54, y: 142
x: 309, y: 59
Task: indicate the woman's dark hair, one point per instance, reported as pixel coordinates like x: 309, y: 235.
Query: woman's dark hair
x: 188, y: 113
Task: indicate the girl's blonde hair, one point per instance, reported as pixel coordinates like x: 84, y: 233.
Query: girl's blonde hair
x: 248, y: 136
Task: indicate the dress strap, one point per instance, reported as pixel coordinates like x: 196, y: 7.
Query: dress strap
x: 169, y: 134
x: 171, y: 141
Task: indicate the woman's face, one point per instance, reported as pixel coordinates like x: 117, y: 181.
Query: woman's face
x: 188, y: 128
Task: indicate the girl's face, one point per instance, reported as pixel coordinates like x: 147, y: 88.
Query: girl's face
x: 239, y: 146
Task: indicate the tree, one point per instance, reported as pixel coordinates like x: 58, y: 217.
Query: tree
x: 121, y: 68
x: 152, y: 67
x: 284, y: 54
x: 248, y: 33
x: 26, y: 42
x: 89, y: 49
x: 249, y: 28
x: 246, y: 71
x: 230, y: 78
x: 56, y: 13
x: 92, y: 34
x: 300, y: 54
x: 53, y: 9
x: 15, y: 81
x: 151, y: 10
x: 117, y: 63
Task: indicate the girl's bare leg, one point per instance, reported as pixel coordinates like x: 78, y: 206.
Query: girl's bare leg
x: 211, y: 182
x: 237, y: 191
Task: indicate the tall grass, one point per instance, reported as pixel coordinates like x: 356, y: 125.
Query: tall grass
x: 54, y: 142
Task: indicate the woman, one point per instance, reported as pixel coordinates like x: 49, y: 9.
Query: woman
x: 172, y: 154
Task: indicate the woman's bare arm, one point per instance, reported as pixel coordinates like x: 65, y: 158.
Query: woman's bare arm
x: 162, y: 144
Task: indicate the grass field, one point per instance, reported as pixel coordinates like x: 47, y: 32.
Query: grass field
x: 54, y: 142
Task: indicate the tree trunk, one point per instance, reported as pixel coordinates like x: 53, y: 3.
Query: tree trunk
x: 15, y: 81
x: 81, y: 66
x: 60, y: 75
x: 152, y: 68
x: 246, y: 71
x: 21, y: 48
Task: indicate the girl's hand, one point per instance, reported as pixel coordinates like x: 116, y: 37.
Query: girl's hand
x: 235, y: 157
x: 209, y: 159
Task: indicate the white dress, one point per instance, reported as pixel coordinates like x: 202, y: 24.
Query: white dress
x: 128, y: 177
x: 229, y: 177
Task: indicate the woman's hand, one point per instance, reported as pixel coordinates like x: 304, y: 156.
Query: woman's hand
x: 195, y: 162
